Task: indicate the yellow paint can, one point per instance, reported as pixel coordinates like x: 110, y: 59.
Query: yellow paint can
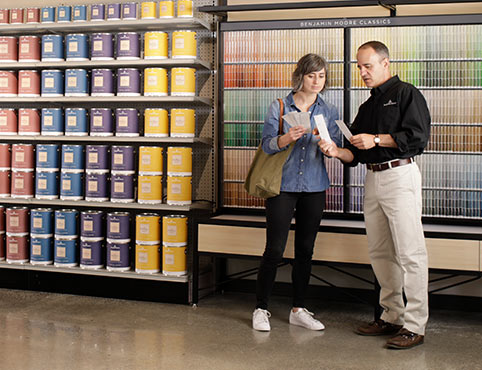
x: 155, y: 45
x: 148, y: 229
x: 179, y: 190
x: 150, y: 160
x: 184, y: 8
x: 183, y: 81
x: 179, y: 161
x: 166, y: 9
x: 148, y: 258
x: 155, y: 82
x: 184, y: 44
x: 148, y: 10
x: 156, y: 122
x: 183, y: 122
x: 174, y: 230
x: 149, y: 189
x: 174, y: 261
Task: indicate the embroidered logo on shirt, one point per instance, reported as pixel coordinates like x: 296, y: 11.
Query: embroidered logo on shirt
x: 390, y: 102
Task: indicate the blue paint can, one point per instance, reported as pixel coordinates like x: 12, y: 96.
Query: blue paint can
x: 41, y: 250
x: 126, y: 122
x: 118, y: 227
x: 96, y: 158
x: 91, y: 253
x: 79, y: 13
x: 128, y: 46
x: 118, y: 256
x: 52, y: 48
x: 41, y: 222
x: 52, y: 84
x: 65, y: 252
x: 102, y: 46
x: 129, y: 10
x: 122, y: 158
x: 47, y: 185
x: 48, y: 14
x: 122, y: 188
x: 66, y: 223
x: 64, y: 13
x: 128, y: 82
x: 91, y: 224
x: 76, y: 82
x: 97, y: 12
x: 102, y: 82
x: 72, y: 158
x: 52, y: 122
x: 76, y: 47
x: 114, y: 12
x: 47, y: 157
x: 101, y: 122
x: 76, y: 122
x: 71, y: 186
x: 96, y: 187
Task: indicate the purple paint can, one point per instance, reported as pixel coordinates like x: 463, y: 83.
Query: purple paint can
x: 118, y: 227
x: 97, y: 12
x: 128, y: 46
x: 91, y: 253
x: 122, y: 158
x: 102, y: 83
x: 96, y: 187
x: 128, y: 82
x: 101, y: 122
x: 122, y: 188
x: 129, y: 11
x: 96, y: 158
x: 91, y: 224
x: 118, y: 256
x: 126, y: 122
x: 114, y: 12
x: 102, y: 46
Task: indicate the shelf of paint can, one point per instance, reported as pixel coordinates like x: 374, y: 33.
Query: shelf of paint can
x: 99, y: 26
x: 188, y: 62
x: 97, y: 272
x: 108, y: 139
x: 195, y: 206
x: 102, y: 100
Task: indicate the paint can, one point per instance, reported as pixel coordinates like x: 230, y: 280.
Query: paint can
x: 22, y: 184
x: 174, y: 261
x: 118, y: 227
x: 8, y: 84
x: 65, y: 252
x: 5, y: 157
x: 76, y: 122
x: 127, y: 122
x: 101, y: 122
x: 97, y: 12
x: 91, y: 224
x: 8, y: 121
x: 96, y: 187
x: 66, y: 223
x: 166, y: 9
x: 29, y: 49
x: 33, y: 15
x: 16, y: 16
x: 28, y: 83
x: 149, y: 189
x: 52, y: 83
x: 4, y: 16
x: 113, y: 12
x: 52, y: 48
x: 155, y: 45
x: 23, y: 157
x: 102, y: 82
x: 47, y: 157
x: 17, y: 220
x: 128, y: 46
x: 183, y: 122
x: 148, y: 10
x: 128, y: 82
x: 91, y: 253
x: 96, y: 158
x: 150, y: 160
x: 47, y: 185
x: 79, y: 13
x: 72, y: 158
x: 77, y: 46
x: 71, y: 186
x: 28, y: 121
x: 64, y: 13
x: 179, y: 161
x: 156, y: 122
x: 129, y: 10
x: 102, y: 46
x: 148, y: 259
x: 148, y: 230
x: 118, y: 256
x: 52, y: 122
x: 5, y: 184
x: 17, y: 249
x: 122, y: 158
x: 47, y: 14
x: 41, y: 222
x: 179, y: 190
x: 122, y: 188
x: 184, y: 44
x: 183, y: 81
x: 184, y: 8
x: 76, y: 82
x: 155, y: 82
x: 174, y: 230
x: 41, y: 250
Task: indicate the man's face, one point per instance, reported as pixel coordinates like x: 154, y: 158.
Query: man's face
x: 374, y: 69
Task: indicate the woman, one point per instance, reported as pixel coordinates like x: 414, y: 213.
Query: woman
x: 303, y: 187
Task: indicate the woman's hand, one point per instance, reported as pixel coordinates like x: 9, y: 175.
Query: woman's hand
x: 292, y: 135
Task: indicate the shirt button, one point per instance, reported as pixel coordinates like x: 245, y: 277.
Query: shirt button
x: 303, y: 148
x: 301, y: 173
x: 302, y: 160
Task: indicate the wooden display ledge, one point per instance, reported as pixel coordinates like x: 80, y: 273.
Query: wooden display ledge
x: 457, y: 248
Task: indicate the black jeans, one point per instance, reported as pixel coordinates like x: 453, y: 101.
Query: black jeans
x: 279, y: 213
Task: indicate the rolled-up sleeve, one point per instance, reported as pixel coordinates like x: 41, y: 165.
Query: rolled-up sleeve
x: 269, y: 140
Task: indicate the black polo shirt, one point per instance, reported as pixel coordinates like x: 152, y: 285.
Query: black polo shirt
x: 396, y: 108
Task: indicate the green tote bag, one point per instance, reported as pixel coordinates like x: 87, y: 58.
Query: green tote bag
x: 264, y: 175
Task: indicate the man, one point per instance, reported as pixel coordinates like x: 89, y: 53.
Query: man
x: 391, y: 127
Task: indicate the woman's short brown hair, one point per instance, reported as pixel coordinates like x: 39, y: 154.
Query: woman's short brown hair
x: 306, y: 65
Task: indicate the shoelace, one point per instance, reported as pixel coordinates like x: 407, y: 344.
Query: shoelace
x: 267, y: 313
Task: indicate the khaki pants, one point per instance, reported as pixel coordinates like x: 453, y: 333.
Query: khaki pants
x: 396, y: 244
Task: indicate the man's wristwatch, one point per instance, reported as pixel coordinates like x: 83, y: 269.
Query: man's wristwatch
x: 376, y: 140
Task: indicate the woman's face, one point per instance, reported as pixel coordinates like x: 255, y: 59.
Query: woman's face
x: 314, y: 82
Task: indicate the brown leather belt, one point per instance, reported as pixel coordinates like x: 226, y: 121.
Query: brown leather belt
x: 386, y: 165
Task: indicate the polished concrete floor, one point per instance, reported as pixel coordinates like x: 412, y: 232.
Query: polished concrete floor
x: 53, y: 331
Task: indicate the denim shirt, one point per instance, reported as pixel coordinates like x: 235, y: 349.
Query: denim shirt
x: 304, y: 170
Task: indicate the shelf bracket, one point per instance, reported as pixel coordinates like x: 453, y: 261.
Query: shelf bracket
x: 392, y: 8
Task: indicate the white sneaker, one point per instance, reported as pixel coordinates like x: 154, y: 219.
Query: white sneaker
x: 305, y: 319
x: 261, y: 320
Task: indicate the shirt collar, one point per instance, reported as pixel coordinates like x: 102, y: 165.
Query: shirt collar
x: 384, y: 86
x: 291, y: 101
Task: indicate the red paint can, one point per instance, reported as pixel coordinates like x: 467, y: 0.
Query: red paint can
x: 4, y: 16
x: 5, y: 157
x: 23, y: 157
x: 28, y: 121
x: 5, y: 184
x: 2, y: 246
x: 22, y: 184
x: 8, y: 121
x: 17, y: 249
x: 29, y: 48
x: 2, y: 219
x: 33, y: 15
x: 17, y: 220
x: 8, y: 83
x: 28, y: 83
x: 16, y: 16
x: 8, y: 49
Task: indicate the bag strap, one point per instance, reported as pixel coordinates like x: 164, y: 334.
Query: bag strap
x: 281, y: 111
